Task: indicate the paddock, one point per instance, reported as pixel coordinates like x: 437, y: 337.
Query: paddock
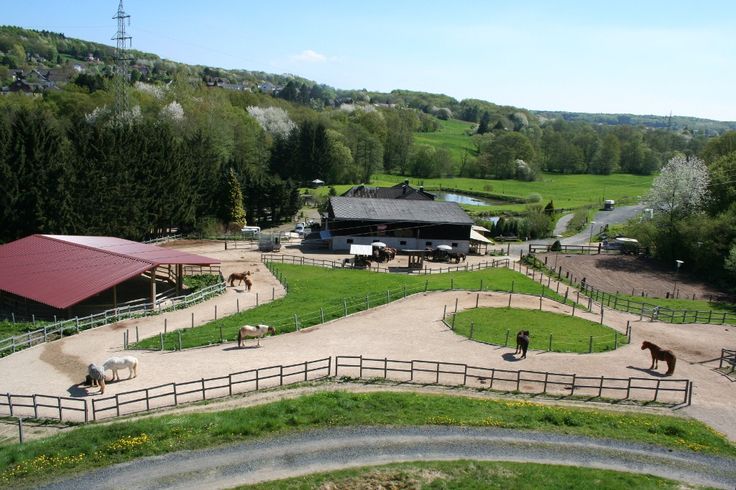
x: 416, y: 333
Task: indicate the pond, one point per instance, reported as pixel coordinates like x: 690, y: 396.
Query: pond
x: 463, y: 199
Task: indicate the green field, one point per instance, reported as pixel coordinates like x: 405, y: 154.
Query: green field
x: 453, y: 136
x: 471, y: 475
x: 311, y: 288
x: 97, y: 445
x: 566, y: 191
x: 565, y: 333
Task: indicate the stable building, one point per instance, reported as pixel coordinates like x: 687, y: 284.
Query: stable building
x: 402, y: 224
x: 64, y: 275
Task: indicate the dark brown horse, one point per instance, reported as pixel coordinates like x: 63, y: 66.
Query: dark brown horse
x: 659, y: 354
x: 522, y: 343
x: 239, y: 276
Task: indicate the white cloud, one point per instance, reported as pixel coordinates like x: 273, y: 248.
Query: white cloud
x: 310, y: 56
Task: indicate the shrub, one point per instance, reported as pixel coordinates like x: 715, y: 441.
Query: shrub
x: 556, y: 247
x: 534, y: 197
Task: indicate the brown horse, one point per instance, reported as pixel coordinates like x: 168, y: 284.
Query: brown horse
x: 522, y: 343
x: 659, y: 354
x: 258, y: 331
x: 239, y: 276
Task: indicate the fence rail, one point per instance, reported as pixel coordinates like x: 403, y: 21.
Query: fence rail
x: 580, y: 249
x: 59, y: 329
x: 656, y: 312
x: 332, y: 264
x: 728, y: 356
x: 666, y: 391
x: 162, y: 239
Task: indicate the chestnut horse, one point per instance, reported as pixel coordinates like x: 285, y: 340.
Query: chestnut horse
x: 240, y: 276
x: 258, y: 331
x: 659, y: 354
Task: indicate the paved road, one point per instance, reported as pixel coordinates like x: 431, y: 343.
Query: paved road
x: 332, y: 449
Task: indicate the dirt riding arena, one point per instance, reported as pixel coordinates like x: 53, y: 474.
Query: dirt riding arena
x: 406, y: 329
x: 628, y: 274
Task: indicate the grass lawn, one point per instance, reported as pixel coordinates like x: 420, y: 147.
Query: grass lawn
x: 471, y: 475
x: 567, y: 333
x: 452, y: 137
x: 97, y: 445
x: 311, y: 288
x: 566, y: 191
x: 10, y: 329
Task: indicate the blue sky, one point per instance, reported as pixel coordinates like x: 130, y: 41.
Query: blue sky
x: 641, y: 57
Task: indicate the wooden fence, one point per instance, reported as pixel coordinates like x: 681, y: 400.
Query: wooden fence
x: 728, y: 356
x: 332, y: 264
x: 666, y: 391
x: 571, y: 249
x: 59, y: 329
x: 656, y: 312
x: 43, y: 407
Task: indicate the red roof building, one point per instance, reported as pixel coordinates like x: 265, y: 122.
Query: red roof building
x: 63, y: 270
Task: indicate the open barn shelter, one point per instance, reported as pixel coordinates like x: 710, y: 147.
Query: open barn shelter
x: 65, y: 275
x: 401, y: 224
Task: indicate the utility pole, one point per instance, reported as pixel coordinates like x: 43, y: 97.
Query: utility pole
x: 121, y: 62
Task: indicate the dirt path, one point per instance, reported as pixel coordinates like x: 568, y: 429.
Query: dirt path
x: 407, y: 329
x: 332, y: 449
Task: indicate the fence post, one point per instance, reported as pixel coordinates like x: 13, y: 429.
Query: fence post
x: 166, y: 321
x: 510, y: 300
x: 137, y: 338
x: 273, y: 294
x: 452, y: 283
x: 472, y: 326
x: 455, y: 305
x: 590, y: 344
x: 506, y: 342
x: 345, y: 306
x: 404, y: 291
x: 256, y: 299
x: 601, y: 314
x: 572, y: 387
x: 426, y: 284
x: 215, y: 312
x: 192, y: 319
x: 322, y: 314
x: 76, y: 322
x: 573, y: 309
x: 477, y: 297
x: 237, y: 305
x: 388, y: 296
x: 453, y: 322
x: 512, y: 286
x: 296, y: 322
x: 444, y: 312
x: 550, y: 343
x: 615, y: 340
x: 204, y: 397
x: 179, y: 331
x: 161, y: 337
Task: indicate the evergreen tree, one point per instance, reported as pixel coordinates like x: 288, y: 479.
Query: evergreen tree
x: 235, y: 210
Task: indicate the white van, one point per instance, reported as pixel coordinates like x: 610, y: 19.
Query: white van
x: 251, y: 231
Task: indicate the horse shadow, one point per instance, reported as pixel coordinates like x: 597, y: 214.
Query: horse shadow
x: 651, y: 372
x: 236, y: 348
x: 509, y: 357
x: 80, y: 390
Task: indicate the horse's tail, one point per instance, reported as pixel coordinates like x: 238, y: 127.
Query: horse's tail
x: 240, y: 336
x: 671, y: 365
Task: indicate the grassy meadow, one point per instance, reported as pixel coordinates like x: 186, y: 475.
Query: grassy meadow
x: 96, y: 445
x: 453, y: 136
x: 564, y: 333
x: 335, y: 291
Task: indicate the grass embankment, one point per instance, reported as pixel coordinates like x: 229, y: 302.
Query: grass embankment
x: 564, y: 333
x: 452, y: 136
x: 311, y: 288
x: 95, y: 445
x: 471, y: 475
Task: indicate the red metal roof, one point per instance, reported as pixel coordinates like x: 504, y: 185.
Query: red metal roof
x: 62, y: 270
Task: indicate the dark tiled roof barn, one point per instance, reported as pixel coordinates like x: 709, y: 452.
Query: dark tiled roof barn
x: 398, y: 210
x: 62, y: 270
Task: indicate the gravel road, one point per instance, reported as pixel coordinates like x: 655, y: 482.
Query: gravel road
x: 333, y: 449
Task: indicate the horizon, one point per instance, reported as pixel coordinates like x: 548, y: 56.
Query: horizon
x: 568, y: 57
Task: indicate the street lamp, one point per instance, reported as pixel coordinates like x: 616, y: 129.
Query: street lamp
x: 590, y: 239
x: 678, y: 263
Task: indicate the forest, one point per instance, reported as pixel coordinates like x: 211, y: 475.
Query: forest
x: 202, y: 149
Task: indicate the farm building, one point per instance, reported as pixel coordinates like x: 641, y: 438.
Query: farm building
x: 402, y: 224
x: 45, y: 275
x: 399, y: 191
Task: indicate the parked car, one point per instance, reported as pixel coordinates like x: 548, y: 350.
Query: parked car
x: 299, y: 228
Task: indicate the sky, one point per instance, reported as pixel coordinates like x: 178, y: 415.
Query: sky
x: 640, y: 57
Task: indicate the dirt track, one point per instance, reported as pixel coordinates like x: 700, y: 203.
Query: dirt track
x: 407, y: 329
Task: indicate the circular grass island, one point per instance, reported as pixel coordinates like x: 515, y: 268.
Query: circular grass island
x: 548, y: 331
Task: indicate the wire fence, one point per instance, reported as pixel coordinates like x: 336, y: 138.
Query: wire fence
x: 666, y: 391
x: 59, y: 329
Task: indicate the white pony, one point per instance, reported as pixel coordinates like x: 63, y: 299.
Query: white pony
x: 258, y: 331
x: 115, y: 363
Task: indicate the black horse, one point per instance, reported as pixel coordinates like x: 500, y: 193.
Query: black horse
x: 522, y: 343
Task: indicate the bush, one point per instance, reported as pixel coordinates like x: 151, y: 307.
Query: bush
x: 534, y: 197
x: 556, y: 247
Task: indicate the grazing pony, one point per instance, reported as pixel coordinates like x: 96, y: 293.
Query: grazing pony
x: 238, y: 276
x: 522, y: 343
x: 659, y: 354
x: 115, y: 363
x: 96, y: 377
x: 456, y: 256
x: 258, y: 331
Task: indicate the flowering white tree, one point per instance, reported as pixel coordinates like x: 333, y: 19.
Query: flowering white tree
x: 681, y: 189
x: 173, y: 110
x: 272, y: 119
